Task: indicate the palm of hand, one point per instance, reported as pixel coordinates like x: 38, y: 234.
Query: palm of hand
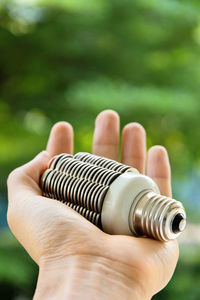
x: 50, y: 230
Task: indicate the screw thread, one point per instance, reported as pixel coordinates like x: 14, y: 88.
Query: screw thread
x: 157, y: 216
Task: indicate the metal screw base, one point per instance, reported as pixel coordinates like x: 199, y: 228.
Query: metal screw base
x: 157, y: 216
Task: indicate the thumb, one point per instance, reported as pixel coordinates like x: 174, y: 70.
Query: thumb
x: 26, y: 178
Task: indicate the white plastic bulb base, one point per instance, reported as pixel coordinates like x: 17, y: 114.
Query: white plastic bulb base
x: 133, y: 206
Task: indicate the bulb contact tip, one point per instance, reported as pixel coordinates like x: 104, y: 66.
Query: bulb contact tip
x: 179, y: 223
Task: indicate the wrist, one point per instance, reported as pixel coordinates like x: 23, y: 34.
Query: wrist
x: 78, y: 277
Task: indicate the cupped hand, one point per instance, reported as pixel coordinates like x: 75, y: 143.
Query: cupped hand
x: 63, y: 242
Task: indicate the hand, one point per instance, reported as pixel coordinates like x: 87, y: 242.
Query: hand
x: 76, y: 259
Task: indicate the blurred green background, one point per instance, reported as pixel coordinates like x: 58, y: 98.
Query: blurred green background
x: 70, y: 59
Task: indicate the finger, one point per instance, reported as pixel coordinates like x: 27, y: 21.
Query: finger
x: 106, y: 134
x: 60, y: 139
x: 158, y: 168
x: 26, y: 178
x: 134, y: 146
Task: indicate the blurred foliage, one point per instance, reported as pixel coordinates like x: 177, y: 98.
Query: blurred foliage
x: 18, y: 273
x: 68, y: 60
x: 184, y: 282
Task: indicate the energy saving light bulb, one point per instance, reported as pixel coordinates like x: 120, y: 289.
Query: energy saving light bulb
x: 113, y: 196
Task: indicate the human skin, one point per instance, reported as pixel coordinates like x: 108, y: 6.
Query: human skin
x: 76, y: 259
